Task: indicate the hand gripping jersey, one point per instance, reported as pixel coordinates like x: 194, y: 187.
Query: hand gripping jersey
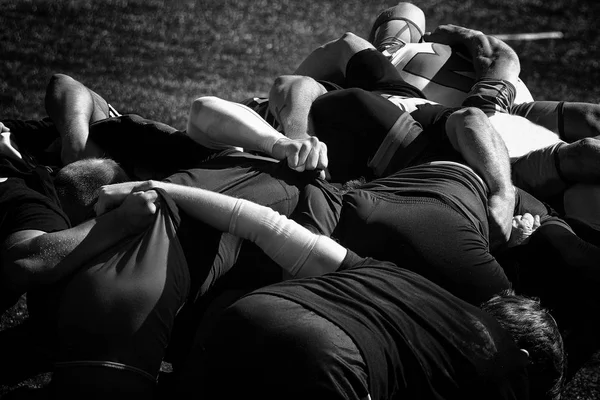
x: 443, y: 75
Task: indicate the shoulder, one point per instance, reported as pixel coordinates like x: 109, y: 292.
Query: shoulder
x: 444, y: 75
x: 25, y: 209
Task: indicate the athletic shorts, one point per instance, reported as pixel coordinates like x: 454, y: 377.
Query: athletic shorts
x: 538, y: 173
x: 491, y: 96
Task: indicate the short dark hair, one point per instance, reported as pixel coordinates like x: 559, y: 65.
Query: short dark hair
x: 533, y: 329
x: 78, y: 184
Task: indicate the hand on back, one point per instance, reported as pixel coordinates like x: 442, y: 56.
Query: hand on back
x: 113, y: 196
x: 302, y: 154
x: 522, y: 228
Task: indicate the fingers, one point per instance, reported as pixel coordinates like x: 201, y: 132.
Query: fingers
x: 523, y: 227
x: 450, y: 34
x: 111, y: 196
x: 307, y: 154
x: 527, y: 219
x: 147, y: 200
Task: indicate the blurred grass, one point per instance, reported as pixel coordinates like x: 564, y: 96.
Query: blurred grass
x: 154, y: 57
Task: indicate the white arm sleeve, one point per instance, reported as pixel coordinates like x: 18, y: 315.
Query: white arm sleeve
x: 293, y: 247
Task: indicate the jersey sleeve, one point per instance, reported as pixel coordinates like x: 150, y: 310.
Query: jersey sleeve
x: 352, y: 260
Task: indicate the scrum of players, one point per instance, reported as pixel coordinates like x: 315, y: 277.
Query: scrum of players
x: 399, y: 219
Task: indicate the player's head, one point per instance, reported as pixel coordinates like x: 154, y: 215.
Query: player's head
x: 534, y: 330
x: 403, y: 23
x: 78, y: 184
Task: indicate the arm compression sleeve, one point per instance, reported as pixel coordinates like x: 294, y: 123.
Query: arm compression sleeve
x: 293, y: 247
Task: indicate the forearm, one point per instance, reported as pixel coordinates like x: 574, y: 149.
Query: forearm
x: 492, y: 58
x: 214, y: 209
x: 217, y: 123
x: 480, y: 145
x: 293, y: 247
x: 290, y: 100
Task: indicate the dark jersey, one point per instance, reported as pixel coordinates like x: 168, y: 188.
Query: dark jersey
x: 147, y: 149
x: 418, y: 341
x: 28, y: 200
x: 260, y: 180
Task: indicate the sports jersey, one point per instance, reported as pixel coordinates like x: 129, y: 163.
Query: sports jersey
x: 147, y: 149
x: 220, y: 261
x: 28, y: 200
x: 444, y: 75
x: 416, y: 339
x: 35, y: 138
x: 261, y: 180
x: 431, y: 219
x: 118, y: 310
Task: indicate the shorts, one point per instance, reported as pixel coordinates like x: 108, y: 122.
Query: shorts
x: 538, y: 172
x: 491, y: 96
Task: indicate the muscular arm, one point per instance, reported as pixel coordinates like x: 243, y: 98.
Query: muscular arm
x: 31, y: 257
x: 471, y: 133
x: 328, y: 62
x: 291, y: 96
x: 72, y: 107
x: 492, y: 58
x: 294, y: 248
x: 217, y: 123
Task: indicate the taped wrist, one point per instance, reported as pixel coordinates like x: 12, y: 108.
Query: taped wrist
x: 284, y: 241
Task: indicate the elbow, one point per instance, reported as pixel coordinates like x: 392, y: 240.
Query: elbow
x: 199, y: 120
x: 458, y: 122
x: 201, y: 104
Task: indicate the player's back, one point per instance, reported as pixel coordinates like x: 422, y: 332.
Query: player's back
x: 443, y: 75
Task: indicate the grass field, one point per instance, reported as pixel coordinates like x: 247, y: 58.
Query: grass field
x: 153, y: 57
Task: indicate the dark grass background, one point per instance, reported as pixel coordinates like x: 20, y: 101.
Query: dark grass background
x: 154, y: 57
